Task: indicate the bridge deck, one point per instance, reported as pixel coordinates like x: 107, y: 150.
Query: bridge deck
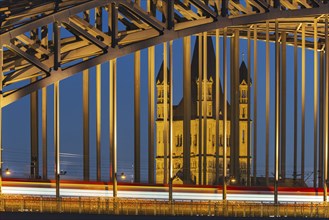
x: 132, y: 207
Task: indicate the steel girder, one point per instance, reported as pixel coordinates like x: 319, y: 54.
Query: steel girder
x: 132, y: 28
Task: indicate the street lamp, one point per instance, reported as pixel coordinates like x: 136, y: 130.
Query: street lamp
x: 7, y: 172
x: 123, y: 176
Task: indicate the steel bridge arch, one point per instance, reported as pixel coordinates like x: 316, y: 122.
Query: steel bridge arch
x: 165, y: 32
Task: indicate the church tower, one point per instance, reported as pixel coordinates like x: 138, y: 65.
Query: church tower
x: 197, y: 171
x: 243, y: 122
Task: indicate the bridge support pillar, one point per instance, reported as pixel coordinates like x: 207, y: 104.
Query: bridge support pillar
x: 267, y: 139
x: 277, y: 112
x: 56, y: 137
x: 200, y: 142
x: 57, y: 63
x: 151, y: 85
x: 171, y: 95
x: 98, y: 122
x: 165, y: 112
x: 137, y: 147
x: 85, y: 95
x: 44, y: 43
x: 316, y: 97
x: 217, y: 105
x: 151, y: 72
x: 187, y: 109
x: 113, y: 126
x: 325, y: 130
x: 303, y: 105
x: 295, y: 103
x: 204, y: 106
x: 85, y: 105
x: 255, y: 107
x: 282, y: 154
x: 248, y: 110
x: 225, y: 114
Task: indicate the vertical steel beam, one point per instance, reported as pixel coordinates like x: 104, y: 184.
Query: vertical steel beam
x: 44, y: 133
x: 44, y: 43
x: 255, y: 107
x: 113, y: 124
x: 113, y: 30
x: 248, y: 108
x: 151, y: 86
x: 217, y: 103
x: 267, y: 140
x: 98, y: 122
x: 303, y: 105
x: 277, y: 112
x: 225, y: 114
x: 57, y: 62
x: 56, y: 137
x: 34, y: 172
x: 85, y: 103
x: 187, y: 109
x: 165, y: 111
x: 34, y: 122
x: 232, y: 101
x: 200, y: 106
x: 283, y: 103
x: 85, y: 94
x: 151, y: 73
x: 236, y: 108
x: 325, y: 131
x: 205, y: 98
x: 321, y: 119
x: 137, y: 147
x: 1, y: 97
x: 316, y: 87
x: 98, y: 24
x: 170, y: 120
x: 295, y: 103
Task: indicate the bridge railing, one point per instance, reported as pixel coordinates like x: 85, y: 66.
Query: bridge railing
x: 121, y: 206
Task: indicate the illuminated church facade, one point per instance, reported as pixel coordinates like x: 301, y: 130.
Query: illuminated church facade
x: 240, y: 153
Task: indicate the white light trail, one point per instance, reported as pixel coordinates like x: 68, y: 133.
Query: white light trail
x: 161, y: 195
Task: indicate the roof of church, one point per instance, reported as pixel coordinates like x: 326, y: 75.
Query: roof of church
x: 243, y: 72
x: 211, y: 73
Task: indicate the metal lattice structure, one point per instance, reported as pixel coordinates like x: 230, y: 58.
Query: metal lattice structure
x: 28, y: 58
x: 44, y: 42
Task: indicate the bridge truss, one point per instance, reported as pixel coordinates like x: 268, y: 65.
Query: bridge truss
x: 45, y: 42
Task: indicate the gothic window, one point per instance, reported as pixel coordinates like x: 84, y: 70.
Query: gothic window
x: 209, y: 93
x: 195, y: 140
x: 244, y: 94
x: 220, y: 140
x: 213, y: 140
x: 243, y: 112
x: 180, y: 140
x: 243, y: 138
x: 177, y: 140
x: 209, y: 110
